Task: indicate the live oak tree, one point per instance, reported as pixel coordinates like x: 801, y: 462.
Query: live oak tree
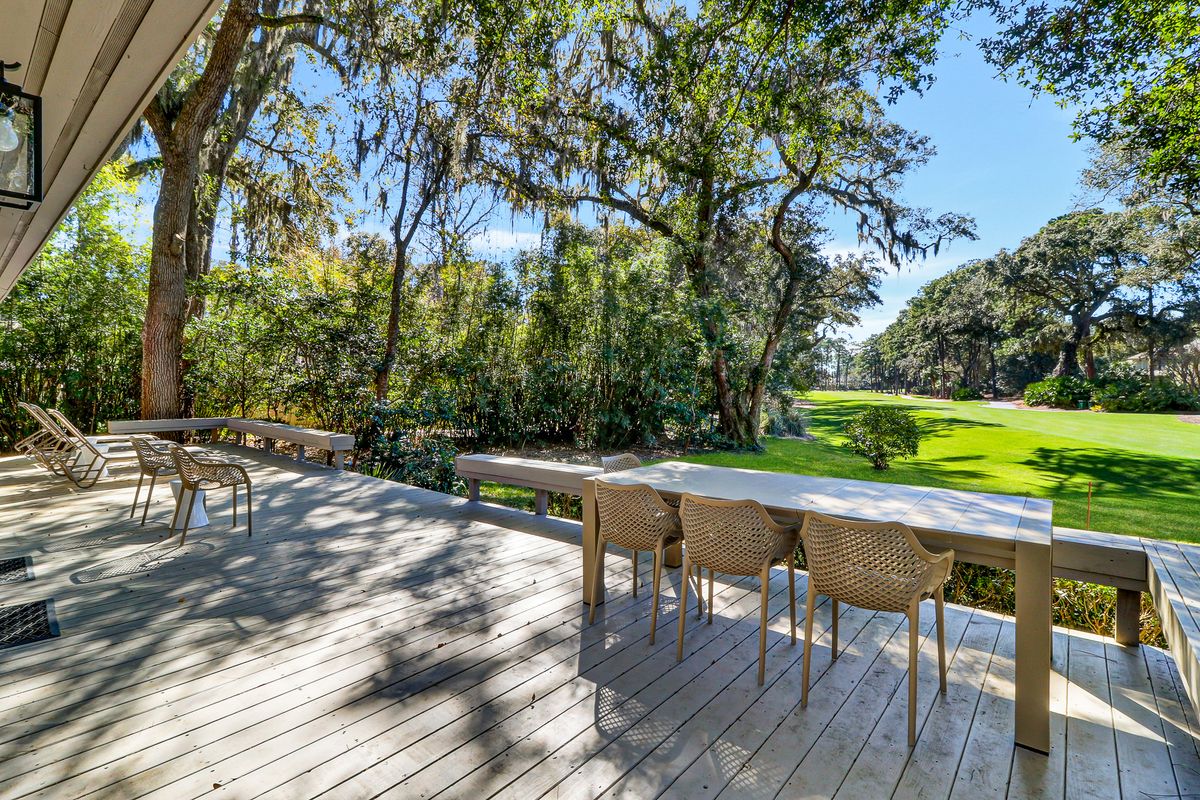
x: 1075, y: 267
x: 700, y: 125
x: 198, y: 120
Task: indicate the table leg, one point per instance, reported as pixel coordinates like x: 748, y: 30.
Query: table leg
x: 541, y: 502
x: 592, y: 593
x: 473, y: 489
x: 674, y: 555
x: 1034, y: 632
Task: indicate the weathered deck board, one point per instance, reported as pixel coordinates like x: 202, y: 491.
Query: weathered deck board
x: 379, y: 640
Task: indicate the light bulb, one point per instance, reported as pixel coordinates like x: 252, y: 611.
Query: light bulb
x: 9, y: 140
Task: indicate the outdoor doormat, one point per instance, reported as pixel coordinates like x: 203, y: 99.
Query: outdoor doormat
x: 27, y: 623
x: 15, y: 570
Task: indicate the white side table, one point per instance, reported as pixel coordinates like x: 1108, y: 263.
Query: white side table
x: 182, y: 498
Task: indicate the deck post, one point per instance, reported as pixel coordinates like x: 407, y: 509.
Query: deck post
x: 473, y: 489
x: 268, y: 445
x: 299, y: 452
x: 1129, y: 618
x: 593, y: 593
x: 339, y: 459
x: 541, y: 502
x: 1034, y: 637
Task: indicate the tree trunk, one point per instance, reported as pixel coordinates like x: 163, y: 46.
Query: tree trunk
x: 399, y: 269
x: 166, y: 301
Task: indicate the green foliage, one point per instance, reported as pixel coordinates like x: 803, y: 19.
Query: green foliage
x: 883, y: 433
x: 1082, y: 606
x: 1066, y: 391
x: 1131, y: 392
x: 70, y: 331
x: 786, y: 421
x: 963, y: 393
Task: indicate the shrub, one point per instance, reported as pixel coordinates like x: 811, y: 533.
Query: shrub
x: 966, y: 393
x: 786, y: 423
x: 1137, y: 393
x: 1062, y: 392
x: 882, y: 433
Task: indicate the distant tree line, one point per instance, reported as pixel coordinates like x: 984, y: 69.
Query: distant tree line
x: 1091, y: 288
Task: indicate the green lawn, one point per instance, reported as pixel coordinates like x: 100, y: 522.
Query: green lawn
x: 1145, y: 468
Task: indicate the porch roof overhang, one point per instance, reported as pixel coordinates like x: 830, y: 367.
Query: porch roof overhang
x: 96, y: 64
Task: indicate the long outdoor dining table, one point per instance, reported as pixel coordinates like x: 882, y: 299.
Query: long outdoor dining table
x: 990, y: 529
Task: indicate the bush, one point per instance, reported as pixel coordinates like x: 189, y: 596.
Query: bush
x: 786, y: 423
x: 882, y: 433
x: 1137, y: 393
x: 1061, y: 392
x: 966, y: 393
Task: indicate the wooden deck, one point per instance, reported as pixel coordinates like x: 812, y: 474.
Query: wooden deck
x: 375, y: 640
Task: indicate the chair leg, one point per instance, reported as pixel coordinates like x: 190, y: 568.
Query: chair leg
x: 711, y: 572
x: 635, y: 566
x: 699, y: 592
x: 137, y: 494
x: 809, y: 605
x: 939, y: 604
x: 150, y: 493
x: 762, y: 623
x: 658, y: 562
x: 683, y: 593
x: 834, y: 627
x: 187, y: 520
x: 249, y: 513
x: 601, y: 547
x: 913, y: 617
x: 791, y: 568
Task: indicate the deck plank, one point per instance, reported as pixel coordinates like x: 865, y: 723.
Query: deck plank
x: 374, y: 639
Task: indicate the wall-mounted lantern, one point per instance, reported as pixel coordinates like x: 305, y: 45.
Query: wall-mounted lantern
x: 20, y: 144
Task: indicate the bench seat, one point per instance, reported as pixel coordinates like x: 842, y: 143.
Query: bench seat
x: 541, y: 476
x: 1175, y: 587
x: 337, y: 443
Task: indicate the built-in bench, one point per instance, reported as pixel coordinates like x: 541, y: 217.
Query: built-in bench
x: 1175, y: 587
x: 541, y: 476
x: 339, y: 444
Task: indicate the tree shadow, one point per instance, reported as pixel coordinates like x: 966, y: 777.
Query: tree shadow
x: 1146, y: 475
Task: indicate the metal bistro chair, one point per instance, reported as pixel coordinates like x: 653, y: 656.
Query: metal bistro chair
x: 880, y: 566
x: 201, y: 475
x: 737, y: 537
x: 636, y: 518
x: 154, y: 461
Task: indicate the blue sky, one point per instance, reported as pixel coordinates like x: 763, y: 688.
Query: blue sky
x: 1004, y: 157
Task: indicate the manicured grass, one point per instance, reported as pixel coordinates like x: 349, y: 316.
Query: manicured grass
x: 1145, y: 469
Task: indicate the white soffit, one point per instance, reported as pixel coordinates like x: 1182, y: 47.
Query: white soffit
x: 95, y: 64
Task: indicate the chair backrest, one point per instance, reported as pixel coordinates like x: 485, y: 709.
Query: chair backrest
x: 186, y: 465
x: 49, y: 425
x: 879, y: 566
x: 72, y: 433
x: 620, y: 463
x: 151, y: 458
x: 633, y: 515
x: 736, y: 537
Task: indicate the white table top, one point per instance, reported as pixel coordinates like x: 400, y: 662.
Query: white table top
x: 991, y: 516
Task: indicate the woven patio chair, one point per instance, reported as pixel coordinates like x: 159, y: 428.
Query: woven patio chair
x: 620, y: 463
x: 636, y: 518
x: 737, y: 537
x: 153, y: 460
x: 203, y: 474
x: 879, y: 566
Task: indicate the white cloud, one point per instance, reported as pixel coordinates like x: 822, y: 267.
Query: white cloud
x: 501, y: 241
